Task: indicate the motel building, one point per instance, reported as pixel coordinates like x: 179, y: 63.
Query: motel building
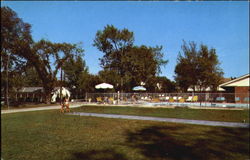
x: 239, y: 87
x: 233, y: 91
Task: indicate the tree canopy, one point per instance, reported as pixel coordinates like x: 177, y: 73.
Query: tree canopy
x: 42, y: 55
x: 129, y: 64
x: 198, y: 67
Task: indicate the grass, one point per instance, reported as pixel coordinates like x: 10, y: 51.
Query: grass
x: 185, y: 113
x: 53, y: 136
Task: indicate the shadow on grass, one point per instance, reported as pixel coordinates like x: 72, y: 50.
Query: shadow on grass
x: 99, y: 155
x: 173, y: 143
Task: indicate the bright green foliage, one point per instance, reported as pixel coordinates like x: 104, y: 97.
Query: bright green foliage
x: 198, y: 67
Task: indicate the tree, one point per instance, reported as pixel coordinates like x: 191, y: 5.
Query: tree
x: 113, y: 43
x: 129, y: 64
x: 18, y: 41
x: 164, y: 85
x: 89, y: 81
x: 76, y: 74
x: 141, y: 66
x: 197, y: 67
x: 31, y: 78
x: 12, y: 31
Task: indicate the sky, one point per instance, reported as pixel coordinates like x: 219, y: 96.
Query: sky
x: 223, y: 25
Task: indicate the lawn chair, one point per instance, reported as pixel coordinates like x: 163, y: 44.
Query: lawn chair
x: 111, y: 100
x: 189, y: 99
x: 181, y: 100
x: 155, y: 100
x: 195, y: 99
x: 167, y: 98
x: 171, y: 99
x: 99, y: 100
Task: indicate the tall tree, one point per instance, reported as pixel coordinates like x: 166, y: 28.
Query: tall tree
x: 114, y: 43
x: 197, y: 67
x: 131, y: 64
x: 12, y: 31
x: 31, y: 78
x: 17, y: 40
x: 141, y: 65
x: 76, y: 73
x: 164, y: 85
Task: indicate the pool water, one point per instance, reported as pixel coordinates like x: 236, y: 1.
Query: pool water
x: 198, y: 104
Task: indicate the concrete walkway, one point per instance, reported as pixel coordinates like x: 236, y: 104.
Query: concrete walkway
x: 173, y: 120
x: 74, y: 105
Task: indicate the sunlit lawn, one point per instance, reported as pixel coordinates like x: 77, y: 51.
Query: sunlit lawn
x: 196, y: 114
x: 53, y: 136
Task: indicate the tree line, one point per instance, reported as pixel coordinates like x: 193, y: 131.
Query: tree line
x: 25, y: 62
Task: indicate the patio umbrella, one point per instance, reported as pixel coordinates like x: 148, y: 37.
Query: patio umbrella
x: 104, y: 86
x: 139, y: 88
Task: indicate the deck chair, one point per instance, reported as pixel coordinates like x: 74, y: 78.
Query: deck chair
x: 189, y: 99
x: 111, y: 100
x: 99, y: 99
x: 171, y: 99
x: 181, y: 100
x: 155, y: 100
x: 175, y: 98
x: 167, y: 98
x: 195, y: 99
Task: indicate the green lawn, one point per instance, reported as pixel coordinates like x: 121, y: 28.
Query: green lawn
x: 196, y: 114
x: 53, y: 136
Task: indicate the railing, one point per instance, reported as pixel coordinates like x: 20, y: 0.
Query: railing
x: 235, y: 98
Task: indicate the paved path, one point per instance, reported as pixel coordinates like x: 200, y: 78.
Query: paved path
x: 38, y: 108
x: 174, y: 120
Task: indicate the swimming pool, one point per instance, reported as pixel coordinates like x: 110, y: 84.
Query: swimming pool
x: 198, y: 104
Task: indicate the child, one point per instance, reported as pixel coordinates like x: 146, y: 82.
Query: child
x: 65, y: 104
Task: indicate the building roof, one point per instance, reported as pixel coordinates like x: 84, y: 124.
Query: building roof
x: 208, y: 89
x: 242, y: 81
x: 31, y: 89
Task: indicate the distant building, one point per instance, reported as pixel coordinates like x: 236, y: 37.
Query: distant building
x: 208, y: 89
x: 30, y: 94
x: 240, y: 87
